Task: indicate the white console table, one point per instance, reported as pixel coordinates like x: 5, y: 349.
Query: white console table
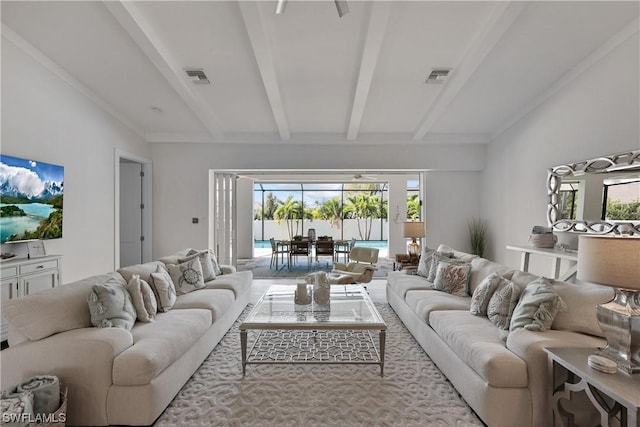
x: 559, y: 255
x: 24, y: 276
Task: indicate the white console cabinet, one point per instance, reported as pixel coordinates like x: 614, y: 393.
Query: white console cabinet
x: 20, y: 277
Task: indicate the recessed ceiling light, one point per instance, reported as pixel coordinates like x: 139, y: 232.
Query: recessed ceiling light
x: 197, y: 76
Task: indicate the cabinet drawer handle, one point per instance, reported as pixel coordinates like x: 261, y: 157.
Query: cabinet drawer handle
x: 40, y: 266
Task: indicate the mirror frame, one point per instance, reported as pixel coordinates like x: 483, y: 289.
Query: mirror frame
x: 608, y: 163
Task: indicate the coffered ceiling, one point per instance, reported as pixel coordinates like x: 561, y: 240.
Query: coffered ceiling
x: 309, y: 76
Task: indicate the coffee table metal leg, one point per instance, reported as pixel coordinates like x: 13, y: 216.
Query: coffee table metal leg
x: 383, y: 335
x: 243, y: 346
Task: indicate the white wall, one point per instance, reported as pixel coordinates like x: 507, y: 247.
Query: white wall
x: 596, y: 114
x: 181, y: 176
x: 43, y: 118
x: 453, y: 198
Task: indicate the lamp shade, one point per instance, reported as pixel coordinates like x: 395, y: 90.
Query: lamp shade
x: 609, y: 260
x: 413, y: 229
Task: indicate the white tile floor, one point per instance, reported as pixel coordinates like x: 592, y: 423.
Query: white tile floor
x: 376, y: 288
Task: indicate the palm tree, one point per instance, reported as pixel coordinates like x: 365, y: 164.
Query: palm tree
x: 413, y: 207
x: 292, y: 211
x: 331, y: 210
x: 364, y: 206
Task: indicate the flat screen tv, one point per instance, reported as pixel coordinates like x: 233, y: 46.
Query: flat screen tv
x: 31, y: 195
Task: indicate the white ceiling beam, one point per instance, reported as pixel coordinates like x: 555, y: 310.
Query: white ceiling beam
x: 46, y: 62
x: 262, y: 51
x: 139, y: 29
x: 609, y: 46
x: 373, y: 42
x: 504, y: 15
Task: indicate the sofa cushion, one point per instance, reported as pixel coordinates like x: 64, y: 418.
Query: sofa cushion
x: 453, y: 278
x: 481, y: 268
x: 163, y: 288
x: 523, y: 279
x: 158, y: 344
x: 110, y: 306
x: 457, y: 254
x: 503, y: 302
x: 423, y: 302
x: 479, y: 344
x: 54, y: 310
x: 538, y: 306
x: 582, y: 300
x: 142, y: 270
x: 143, y: 299
x: 217, y: 301
x: 186, y: 277
x: 400, y: 283
x: 237, y: 282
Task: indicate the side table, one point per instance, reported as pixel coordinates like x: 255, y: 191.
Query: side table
x: 622, y: 388
x: 405, y: 260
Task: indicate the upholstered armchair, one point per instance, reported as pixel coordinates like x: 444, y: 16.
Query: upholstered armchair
x: 361, y: 266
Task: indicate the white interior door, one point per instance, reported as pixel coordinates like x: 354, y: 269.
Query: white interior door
x: 131, y: 213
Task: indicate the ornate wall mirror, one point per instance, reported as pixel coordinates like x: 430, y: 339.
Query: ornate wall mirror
x: 578, y: 194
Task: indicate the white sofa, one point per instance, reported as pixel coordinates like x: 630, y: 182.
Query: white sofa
x: 507, y: 383
x: 116, y: 376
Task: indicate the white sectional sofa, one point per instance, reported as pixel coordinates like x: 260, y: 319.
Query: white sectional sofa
x: 115, y: 376
x: 507, y: 383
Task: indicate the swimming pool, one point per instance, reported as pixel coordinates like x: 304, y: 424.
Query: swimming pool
x: 382, y: 244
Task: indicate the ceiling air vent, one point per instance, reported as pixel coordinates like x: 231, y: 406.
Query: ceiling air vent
x: 197, y: 76
x: 438, y: 75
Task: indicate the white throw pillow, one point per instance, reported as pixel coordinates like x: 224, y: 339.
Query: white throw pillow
x: 143, y: 299
x: 482, y: 295
x: 164, y: 289
x: 502, y: 303
x: 187, y: 277
x: 208, y: 269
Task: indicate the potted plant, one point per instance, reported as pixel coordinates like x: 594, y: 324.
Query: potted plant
x: 477, y: 235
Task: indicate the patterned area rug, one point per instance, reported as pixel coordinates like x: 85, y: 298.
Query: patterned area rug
x: 261, y: 270
x: 413, y: 392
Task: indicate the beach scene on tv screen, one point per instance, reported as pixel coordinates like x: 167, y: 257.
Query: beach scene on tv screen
x: 31, y: 196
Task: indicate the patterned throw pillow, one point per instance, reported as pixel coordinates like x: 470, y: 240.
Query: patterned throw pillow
x: 425, y: 262
x: 110, y: 306
x: 208, y: 271
x: 453, y: 278
x: 502, y: 303
x: 538, y: 307
x: 436, y: 257
x: 143, y: 299
x: 214, y: 261
x: 187, y: 277
x: 164, y: 289
x: 482, y: 294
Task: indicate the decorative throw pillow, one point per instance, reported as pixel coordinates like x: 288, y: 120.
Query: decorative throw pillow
x: 110, y: 306
x: 538, y: 307
x: 208, y: 272
x: 187, y: 277
x: 164, y: 289
x: 214, y: 261
x: 482, y: 294
x: 502, y: 303
x: 453, y: 278
x: 143, y: 299
x: 436, y: 257
x: 425, y: 262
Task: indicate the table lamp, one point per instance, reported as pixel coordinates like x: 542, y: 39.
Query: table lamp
x: 615, y: 261
x: 413, y: 230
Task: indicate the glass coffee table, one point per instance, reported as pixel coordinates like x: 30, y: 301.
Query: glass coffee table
x: 300, y: 327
